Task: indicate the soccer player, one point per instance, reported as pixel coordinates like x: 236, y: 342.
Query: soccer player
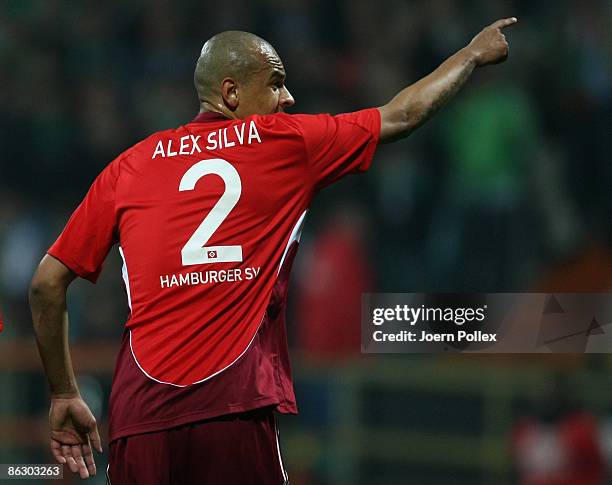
x: 208, y: 217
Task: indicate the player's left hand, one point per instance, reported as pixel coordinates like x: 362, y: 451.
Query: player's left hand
x: 73, y: 433
x: 490, y: 45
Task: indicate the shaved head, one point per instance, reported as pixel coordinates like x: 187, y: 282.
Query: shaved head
x: 239, y: 74
x: 234, y: 54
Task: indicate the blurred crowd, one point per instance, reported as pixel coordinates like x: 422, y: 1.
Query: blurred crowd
x: 508, y: 188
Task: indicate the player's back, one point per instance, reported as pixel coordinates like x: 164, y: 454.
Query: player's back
x: 205, y: 215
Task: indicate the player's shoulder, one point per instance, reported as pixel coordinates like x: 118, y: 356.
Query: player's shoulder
x: 142, y: 149
x: 290, y: 122
x: 143, y: 146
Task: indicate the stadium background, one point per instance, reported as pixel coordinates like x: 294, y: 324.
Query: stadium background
x: 507, y: 189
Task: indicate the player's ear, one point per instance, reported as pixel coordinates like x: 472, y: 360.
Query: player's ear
x: 229, y: 92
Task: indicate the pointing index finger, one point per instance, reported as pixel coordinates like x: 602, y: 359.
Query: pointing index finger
x: 500, y: 24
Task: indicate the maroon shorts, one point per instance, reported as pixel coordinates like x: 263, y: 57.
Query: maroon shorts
x: 238, y: 449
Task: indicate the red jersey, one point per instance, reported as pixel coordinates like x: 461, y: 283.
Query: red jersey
x: 207, y: 217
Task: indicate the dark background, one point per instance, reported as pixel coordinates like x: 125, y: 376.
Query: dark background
x: 507, y: 189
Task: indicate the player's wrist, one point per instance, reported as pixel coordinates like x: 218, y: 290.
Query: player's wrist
x: 470, y: 55
x: 70, y: 393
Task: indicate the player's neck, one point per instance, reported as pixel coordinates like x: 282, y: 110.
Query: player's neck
x: 207, y: 107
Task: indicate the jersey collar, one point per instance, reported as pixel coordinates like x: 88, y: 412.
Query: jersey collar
x: 208, y: 116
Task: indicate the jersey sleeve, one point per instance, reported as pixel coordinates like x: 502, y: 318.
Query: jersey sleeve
x: 339, y: 145
x: 92, y: 229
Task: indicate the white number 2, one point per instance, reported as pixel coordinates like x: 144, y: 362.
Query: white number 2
x: 194, y: 252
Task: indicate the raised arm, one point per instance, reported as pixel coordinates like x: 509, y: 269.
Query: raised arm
x: 73, y: 426
x: 419, y: 101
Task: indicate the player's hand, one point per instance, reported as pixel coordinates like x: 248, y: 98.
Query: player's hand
x: 73, y: 433
x: 490, y: 46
